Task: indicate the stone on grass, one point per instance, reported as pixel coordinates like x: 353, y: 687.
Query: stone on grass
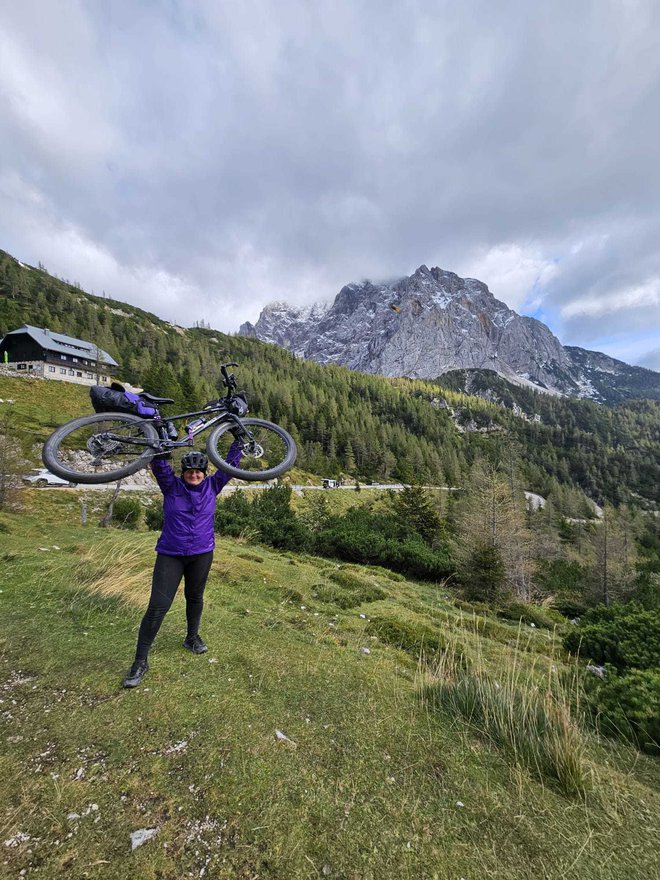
x: 18, y: 838
x: 282, y: 737
x: 142, y: 835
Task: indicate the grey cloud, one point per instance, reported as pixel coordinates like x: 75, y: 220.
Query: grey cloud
x: 651, y: 360
x: 261, y: 151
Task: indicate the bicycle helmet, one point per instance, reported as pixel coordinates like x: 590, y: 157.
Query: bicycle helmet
x: 194, y: 461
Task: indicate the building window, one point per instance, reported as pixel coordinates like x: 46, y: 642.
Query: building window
x: 75, y: 360
x: 62, y: 370
x: 90, y: 375
x: 30, y: 366
x: 70, y: 372
x: 63, y: 357
x: 104, y: 378
x: 20, y: 366
x: 78, y: 373
x: 51, y: 369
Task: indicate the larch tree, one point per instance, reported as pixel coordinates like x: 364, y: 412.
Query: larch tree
x: 613, y: 570
x: 491, y: 515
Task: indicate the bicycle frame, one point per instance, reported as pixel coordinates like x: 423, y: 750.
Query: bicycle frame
x: 164, y: 443
x: 222, y: 416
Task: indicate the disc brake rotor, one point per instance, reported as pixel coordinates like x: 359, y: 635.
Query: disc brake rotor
x: 254, y: 450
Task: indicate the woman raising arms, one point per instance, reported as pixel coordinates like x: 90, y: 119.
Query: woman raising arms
x: 184, y: 550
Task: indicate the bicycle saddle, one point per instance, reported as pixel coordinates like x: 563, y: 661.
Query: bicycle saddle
x: 153, y: 399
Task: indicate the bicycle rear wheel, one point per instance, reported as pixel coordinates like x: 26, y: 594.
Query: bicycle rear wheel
x: 100, y: 448
x: 268, y: 450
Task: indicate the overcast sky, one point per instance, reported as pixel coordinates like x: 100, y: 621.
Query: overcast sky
x: 202, y: 158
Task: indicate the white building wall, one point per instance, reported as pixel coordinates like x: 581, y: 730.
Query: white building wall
x: 64, y: 373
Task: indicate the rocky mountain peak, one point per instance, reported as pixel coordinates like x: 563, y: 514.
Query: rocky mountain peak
x: 434, y: 321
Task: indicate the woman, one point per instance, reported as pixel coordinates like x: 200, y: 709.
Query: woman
x: 185, y: 549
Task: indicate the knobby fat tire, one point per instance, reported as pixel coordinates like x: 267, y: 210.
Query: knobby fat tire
x: 286, y: 463
x: 52, y: 446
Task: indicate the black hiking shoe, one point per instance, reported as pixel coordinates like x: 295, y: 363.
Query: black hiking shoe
x: 195, y: 644
x: 136, y: 674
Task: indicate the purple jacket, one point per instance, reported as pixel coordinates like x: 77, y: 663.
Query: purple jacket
x: 188, y: 521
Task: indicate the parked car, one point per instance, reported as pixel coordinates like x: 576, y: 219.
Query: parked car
x: 42, y: 477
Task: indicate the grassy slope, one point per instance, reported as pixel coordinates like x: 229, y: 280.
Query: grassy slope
x: 370, y: 791
x: 35, y: 407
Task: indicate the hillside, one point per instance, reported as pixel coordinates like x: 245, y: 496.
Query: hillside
x: 376, y: 779
x: 365, y: 426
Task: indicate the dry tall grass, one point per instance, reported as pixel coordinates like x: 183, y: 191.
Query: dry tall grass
x: 532, y: 716
x: 122, y: 571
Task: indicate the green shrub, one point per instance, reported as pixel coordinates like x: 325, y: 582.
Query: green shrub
x: 233, y: 514
x: 414, y: 638
x: 560, y: 576
x: 394, y: 576
x: 569, y: 606
x: 371, y: 538
x: 153, y: 517
x: 527, y: 613
x: 629, y: 706
x: 330, y: 595
x: 415, y: 510
x: 277, y: 523
x: 473, y: 607
x: 350, y: 591
x: 269, y: 517
x: 126, y: 513
x: 386, y: 573
x: 647, y: 591
x: 625, y: 636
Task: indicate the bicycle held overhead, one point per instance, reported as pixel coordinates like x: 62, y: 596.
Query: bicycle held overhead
x: 127, y: 431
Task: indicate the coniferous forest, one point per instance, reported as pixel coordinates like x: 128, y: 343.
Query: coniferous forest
x: 364, y: 426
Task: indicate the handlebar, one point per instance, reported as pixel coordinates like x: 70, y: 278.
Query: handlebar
x: 228, y: 379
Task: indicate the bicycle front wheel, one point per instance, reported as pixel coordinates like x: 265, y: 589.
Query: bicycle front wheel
x: 268, y: 450
x: 100, y: 448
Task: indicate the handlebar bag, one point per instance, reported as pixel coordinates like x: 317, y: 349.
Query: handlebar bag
x: 238, y: 404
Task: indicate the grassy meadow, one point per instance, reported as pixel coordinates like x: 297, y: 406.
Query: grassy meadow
x: 422, y: 741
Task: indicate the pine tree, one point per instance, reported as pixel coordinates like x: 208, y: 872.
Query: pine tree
x: 484, y: 574
x: 415, y: 511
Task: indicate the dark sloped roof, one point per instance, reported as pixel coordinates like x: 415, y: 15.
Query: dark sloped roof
x: 62, y: 344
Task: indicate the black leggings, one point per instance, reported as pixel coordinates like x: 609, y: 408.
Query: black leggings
x: 168, y: 572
